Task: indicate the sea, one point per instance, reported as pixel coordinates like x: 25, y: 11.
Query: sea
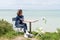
x: 50, y: 23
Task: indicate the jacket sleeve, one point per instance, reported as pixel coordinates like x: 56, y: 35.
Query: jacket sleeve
x: 16, y: 21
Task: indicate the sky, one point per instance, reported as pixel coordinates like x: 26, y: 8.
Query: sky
x: 30, y: 4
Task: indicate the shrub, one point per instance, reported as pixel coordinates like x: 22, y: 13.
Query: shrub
x: 5, y: 27
x: 7, y: 31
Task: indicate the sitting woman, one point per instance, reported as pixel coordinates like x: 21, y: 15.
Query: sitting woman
x: 20, y: 22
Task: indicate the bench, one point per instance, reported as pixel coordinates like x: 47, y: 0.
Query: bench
x: 21, y: 29
x: 14, y: 27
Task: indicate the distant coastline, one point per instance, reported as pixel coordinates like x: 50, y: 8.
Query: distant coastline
x: 30, y: 9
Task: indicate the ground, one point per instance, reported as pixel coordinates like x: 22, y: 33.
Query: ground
x: 19, y: 38
x: 22, y: 38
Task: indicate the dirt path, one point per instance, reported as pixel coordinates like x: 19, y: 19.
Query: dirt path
x: 22, y: 38
x: 19, y: 38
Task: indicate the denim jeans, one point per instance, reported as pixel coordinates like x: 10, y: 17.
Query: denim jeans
x: 23, y: 25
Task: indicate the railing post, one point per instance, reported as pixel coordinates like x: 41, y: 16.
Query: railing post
x: 30, y: 27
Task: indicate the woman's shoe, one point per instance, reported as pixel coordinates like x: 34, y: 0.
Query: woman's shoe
x: 25, y: 35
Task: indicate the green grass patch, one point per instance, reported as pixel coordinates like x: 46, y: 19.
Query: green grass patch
x: 6, y: 31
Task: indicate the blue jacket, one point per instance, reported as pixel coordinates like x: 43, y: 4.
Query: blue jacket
x: 19, y: 20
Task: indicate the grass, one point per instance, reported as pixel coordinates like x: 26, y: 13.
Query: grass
x: 48, y: 36
x: 7, y: 32
x: 12, y: 34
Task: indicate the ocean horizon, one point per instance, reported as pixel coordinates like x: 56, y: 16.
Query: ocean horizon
x: 52, y: 18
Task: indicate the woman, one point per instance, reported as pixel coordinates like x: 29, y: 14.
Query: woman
x: 19, y: 21
x: 20, y: 24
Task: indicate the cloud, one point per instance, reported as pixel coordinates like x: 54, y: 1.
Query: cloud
x: 6, y: 4
x: 30, y: 4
